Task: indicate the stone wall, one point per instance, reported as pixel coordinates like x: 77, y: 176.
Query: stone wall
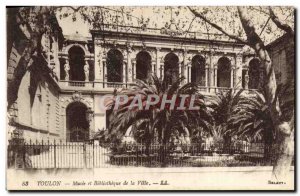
x: 282, y: 52
x: 38, y: 110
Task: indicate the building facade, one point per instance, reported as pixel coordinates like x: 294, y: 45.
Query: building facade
x: 282, y: 53
x: 34, y: 115
x: 66, y: 106
x: 113, y: 59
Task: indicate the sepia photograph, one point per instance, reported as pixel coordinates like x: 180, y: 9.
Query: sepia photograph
x: 144, y: 98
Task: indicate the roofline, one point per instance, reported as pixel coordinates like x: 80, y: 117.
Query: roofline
x: 276, y: 41
x: 159, y: 37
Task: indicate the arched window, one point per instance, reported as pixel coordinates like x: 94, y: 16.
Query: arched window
x: 198, y: 70
x: 114, y: 66
x: 143, y: 65
x: 224, y: 72
x: 76, y: 62
x: 77, y: 122
x: 254, y: 66
x: 171, y: 68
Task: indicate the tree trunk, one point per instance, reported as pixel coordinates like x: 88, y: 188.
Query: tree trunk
x: 164, y: 147
x: 285, y: 152
x: 33, y: 38
x: 14, y: 84
x: 283, y: 129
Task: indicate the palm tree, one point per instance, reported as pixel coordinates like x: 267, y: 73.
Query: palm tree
x: 155, y: 120
x: 250, y: 118
x: 251, y: 121
x: 221, y: 107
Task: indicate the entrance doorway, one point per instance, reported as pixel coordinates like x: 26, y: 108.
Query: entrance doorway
x: 77, y: 122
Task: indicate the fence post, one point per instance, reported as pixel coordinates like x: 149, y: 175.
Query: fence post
x: 93, y: 154
x: 54, y: 151
x: 84, y: 155
x: 42, y: 155
x: 24, y: 156
x: 137, y: 155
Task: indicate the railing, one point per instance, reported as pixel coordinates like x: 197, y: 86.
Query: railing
x: 77, y: 83
x: 213, y: 89
x: 94, y: 84
x: 42, y: 155
x: 117, y: 85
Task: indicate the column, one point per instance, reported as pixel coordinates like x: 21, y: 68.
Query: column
x: 189, y: 75
x: 181, y: 63
x: 211, y: 70
x: 214, y: 67
x: 179, y: 70
x: 238, y: 71
x: 98, y: 65
x: 133, y: 63
x: 234, y: 77
x: 153, y: 66
x: 183, y: 71
x: 246, y: 80
x: 158, y: 66
x: 232, y: 66
x: 129, y: 65
x: 215, y: 75
x: 92, y: 125
x: 206, y: 75
x: 124, y: 75
x: 104, y: 72
x: 161, y: 70
x: 231, y: 77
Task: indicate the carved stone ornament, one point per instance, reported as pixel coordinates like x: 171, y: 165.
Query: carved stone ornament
x: 76, y: 96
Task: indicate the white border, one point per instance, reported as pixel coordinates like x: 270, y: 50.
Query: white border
x: 4, y: 3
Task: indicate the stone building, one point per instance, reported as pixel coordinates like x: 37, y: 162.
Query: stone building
x: 282, y: 52
x: 35, y: 114
x: 87, y: 68
x: 113, y: 59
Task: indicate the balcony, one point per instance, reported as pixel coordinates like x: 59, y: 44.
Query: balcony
x: 92, y: 85
x: 110, y: 86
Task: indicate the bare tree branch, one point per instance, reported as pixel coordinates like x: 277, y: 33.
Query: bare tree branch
x: 199, y: 15
x: 281, y: 25
x: 257, y: 44
x: 265, y: 26
x: 75, y: 9
x: 190, y: 26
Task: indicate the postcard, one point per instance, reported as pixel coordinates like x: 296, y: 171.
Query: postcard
x: 150, y: 98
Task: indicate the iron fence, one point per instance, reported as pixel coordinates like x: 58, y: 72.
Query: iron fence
x: 43, y: 155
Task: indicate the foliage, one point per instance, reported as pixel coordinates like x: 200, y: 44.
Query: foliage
x: 251, y: 119
x: 221, y: 107
x: 158, y: 122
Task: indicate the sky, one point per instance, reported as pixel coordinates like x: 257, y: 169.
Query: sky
x: 158, y: 17
x: 69, y: 27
